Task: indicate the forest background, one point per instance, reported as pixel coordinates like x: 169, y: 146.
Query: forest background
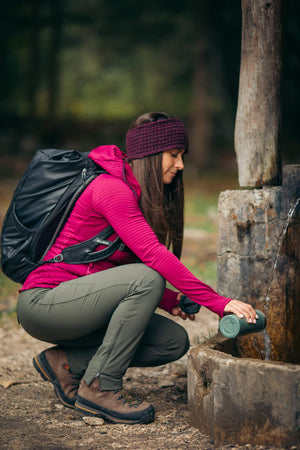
x: 75, y: 73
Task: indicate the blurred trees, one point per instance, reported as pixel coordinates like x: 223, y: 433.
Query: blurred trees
x: 84, y: 69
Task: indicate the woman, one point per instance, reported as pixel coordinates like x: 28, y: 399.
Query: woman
x: 101, y: 316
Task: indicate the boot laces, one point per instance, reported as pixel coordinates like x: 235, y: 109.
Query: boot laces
x: 133, y: 402
x: 76, y: 378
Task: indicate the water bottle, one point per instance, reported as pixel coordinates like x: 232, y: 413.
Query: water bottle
x: 188, y: 306
x: 232, y: 325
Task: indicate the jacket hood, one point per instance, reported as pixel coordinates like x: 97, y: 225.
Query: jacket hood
x: 113, y: 160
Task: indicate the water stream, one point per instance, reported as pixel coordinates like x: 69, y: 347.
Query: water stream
x: 267, y: 340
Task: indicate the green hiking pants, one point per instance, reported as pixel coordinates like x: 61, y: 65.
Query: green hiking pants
x: 105, y: 322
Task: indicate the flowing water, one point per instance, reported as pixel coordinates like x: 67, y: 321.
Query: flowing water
x: 267, y: 340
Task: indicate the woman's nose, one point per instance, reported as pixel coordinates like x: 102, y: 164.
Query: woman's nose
x: 179, y: 163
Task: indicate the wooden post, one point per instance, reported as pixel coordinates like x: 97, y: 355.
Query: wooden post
x: 258, y: 112
x: 257, y: 258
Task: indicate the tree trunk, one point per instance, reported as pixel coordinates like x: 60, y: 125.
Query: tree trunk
x: 34, y: 60
x: 201, y: 120
x: 201, y: 126
x: 258, y: 112
x: 54, y: 63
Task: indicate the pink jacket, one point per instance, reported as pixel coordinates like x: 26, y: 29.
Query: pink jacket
x: 113, y: 199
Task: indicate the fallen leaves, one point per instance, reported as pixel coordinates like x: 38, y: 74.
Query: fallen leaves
x: 7, y: 383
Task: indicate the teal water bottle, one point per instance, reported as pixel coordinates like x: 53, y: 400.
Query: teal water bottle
x: 232, y: 325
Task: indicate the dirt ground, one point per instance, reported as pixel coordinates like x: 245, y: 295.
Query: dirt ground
x: 32, y: 418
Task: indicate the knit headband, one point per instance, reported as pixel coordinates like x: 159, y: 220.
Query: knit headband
x: 156, y: 137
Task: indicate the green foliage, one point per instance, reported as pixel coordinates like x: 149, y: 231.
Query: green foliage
x: 93, y: 60
x: 201, y: 212
x: 8, y: 294
x: 112, y: 59
x: 7, y: 287
x: 206, y: 271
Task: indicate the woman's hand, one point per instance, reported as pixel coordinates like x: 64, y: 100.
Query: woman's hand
x: 177, y: 311
x: 241, y: 309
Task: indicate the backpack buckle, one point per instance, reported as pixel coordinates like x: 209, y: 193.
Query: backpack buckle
x: 58, y: 258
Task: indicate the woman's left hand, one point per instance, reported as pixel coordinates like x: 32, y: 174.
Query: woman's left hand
x: 177, y: 311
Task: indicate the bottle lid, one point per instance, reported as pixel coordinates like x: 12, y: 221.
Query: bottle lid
x: 188, y: 306
x: 230, y: 326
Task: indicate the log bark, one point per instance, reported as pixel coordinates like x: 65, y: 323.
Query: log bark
x: 258, y: 112
x: 259, y: 263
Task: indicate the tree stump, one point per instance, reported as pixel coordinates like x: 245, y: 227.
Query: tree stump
x: 259, y: 263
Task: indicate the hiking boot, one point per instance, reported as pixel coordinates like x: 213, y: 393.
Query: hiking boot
x: 53, y: 366
x: 114, y: 406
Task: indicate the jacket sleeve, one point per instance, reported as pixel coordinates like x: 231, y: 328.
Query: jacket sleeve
x: 169, y: 300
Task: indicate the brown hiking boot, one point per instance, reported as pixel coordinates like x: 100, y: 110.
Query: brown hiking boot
x: 114, y: 406
x: 53, y: 366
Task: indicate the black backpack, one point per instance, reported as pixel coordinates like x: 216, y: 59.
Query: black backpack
x: 41, y: 204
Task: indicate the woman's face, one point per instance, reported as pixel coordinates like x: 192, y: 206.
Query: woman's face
x: 171, y: 162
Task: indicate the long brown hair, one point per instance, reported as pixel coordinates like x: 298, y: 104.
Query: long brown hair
x: 162, y: 204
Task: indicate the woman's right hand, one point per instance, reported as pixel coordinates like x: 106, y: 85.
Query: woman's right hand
x: 177, y: 311
x: 241, y: 309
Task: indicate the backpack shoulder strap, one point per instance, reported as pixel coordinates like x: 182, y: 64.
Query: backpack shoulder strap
x: 84, y: 252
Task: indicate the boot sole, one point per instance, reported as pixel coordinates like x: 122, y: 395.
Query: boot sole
x: 41, y: 365
x: 84, y: 406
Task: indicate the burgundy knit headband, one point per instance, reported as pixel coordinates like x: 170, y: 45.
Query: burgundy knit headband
x: 156, y: 137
